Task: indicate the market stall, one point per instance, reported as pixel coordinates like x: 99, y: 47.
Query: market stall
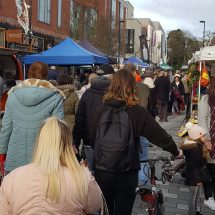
x: 201, y: 67
x: 67, y: 52
x: 89, y: 47
x: 136, y: 61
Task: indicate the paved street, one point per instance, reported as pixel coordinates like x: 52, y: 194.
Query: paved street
x: 175, y: 193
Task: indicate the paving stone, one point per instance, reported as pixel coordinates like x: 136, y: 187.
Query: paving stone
x: 170, y: 204
x: 176, y: 210
x: 184, y: 189
x: 182, y: 206
x: 171, y: 195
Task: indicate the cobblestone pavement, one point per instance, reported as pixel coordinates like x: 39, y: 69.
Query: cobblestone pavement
x: 175, y: 193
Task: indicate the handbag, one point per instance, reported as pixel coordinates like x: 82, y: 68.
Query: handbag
x: 205, y: 175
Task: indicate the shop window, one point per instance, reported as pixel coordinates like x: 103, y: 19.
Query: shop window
x: 113, y: 13
x: 44, y: 11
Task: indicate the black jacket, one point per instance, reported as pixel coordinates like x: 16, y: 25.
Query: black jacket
x: 162, y: 88
x: 143, y: 125
x: 194, y: 162
x: 90, y: 101
x: 180, y: 87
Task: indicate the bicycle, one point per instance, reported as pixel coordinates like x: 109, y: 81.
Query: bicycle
x: 152, y: 194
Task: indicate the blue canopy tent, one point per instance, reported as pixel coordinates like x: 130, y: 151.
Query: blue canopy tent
x: 136, y: 61
x: 67, y: 52
x: 88, y: 46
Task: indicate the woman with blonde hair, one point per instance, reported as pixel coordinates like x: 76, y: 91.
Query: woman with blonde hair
x: 55, y: 182
x: 117, y: 127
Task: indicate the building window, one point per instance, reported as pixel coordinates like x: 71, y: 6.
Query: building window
x: 44, y: 10
x: 59, y: 15
x: 90, y: 19
x: 113, y: 13
x: 130, y: 41
x: 121, y: 11
x: 75, y: 19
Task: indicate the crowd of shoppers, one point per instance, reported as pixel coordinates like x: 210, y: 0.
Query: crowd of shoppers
x: 116, y: 112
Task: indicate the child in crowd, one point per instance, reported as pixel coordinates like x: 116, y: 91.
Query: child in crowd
x: 196, y: 151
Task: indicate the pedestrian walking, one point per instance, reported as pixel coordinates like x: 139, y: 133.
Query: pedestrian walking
x: 70, y: 103
x: 85, y: 87
x: 53, y: 73
x: 54, y: 182
x: 178, y: 91
x: 116, y: 129
x: 142, y: 93
x: 162, y: 89
x: 142, y: 90
x: 89, y: 102
x: 149, y: 81
x: 29, y: 103
x: 206, y: 118
x: 186, y: 89
x: 196, y: 149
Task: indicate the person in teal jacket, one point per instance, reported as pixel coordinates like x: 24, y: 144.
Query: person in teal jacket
x: 29, y: 104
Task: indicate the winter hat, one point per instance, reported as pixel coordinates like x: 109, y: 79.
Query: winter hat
x: 148, y: 73
x: 195, y: 131
x: 177, y: 75
x: 105, y: 69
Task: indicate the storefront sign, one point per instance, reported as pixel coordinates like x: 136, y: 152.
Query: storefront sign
x: 14, y: 35
x: 2, y: 37
x: 28, y: 44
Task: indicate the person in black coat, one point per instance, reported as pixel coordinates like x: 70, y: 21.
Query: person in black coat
x: 196, y: 150
x: 178, y: 91
x: 162, y: 88
x: 90, y: 101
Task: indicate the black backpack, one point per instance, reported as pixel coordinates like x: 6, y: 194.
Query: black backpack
x: 114, y: 148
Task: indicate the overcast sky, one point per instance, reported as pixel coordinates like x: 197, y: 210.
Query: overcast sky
x: 175, y: 14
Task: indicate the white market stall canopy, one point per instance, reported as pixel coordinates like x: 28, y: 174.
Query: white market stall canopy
x: 205, y: 54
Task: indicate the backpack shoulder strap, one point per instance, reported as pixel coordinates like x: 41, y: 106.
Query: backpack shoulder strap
x: 95, y: 122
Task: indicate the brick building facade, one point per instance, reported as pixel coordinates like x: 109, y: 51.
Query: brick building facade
x: 85, y: 12
x: 53, y: 20
x: 50, y: 19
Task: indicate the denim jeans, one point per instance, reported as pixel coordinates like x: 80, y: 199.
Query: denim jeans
x: 193, y: 199
x: 89, y: 156
x: 142, y: 177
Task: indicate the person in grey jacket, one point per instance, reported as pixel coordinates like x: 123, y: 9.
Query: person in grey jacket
x: 28, y: 105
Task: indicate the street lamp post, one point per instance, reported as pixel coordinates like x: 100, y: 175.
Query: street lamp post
x: 203, y: 40
x: 119, y: 39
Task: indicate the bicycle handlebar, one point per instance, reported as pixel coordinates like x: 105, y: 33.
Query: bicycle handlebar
x: 166, y: 158
x: 168, y: 170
